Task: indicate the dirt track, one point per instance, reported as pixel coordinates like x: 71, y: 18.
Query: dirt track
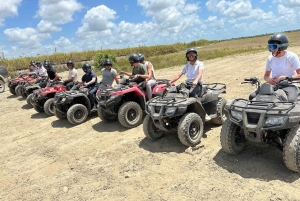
x: 43, y: 158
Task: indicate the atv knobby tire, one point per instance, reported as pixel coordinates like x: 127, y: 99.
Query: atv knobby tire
x: 291, y: 149
x: 130, y: 114
x: 106, y: 117
x: 150, y: 130
x: 29, y: 100
x: 12, y: 91
x: 77, y: 114
x: 37, y: 108
x: 232, y: 138
x: 220, y: 119
x: 18, y: 90
x: 23, y: 92
x: 190, y: 129
x: 2, y: 86
x: 59, y: 114
x: 49, y: 107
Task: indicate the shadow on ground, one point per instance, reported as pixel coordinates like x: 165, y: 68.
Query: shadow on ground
x: 258, y: 163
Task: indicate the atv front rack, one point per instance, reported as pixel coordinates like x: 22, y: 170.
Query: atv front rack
x: 167, y: 100
x: 270, y: 107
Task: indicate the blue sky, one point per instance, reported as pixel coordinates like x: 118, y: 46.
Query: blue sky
x: 31, y: 27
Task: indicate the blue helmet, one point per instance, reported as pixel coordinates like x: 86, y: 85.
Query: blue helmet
x: 86, y: 67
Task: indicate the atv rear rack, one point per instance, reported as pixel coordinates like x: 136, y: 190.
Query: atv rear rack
x: 166, y: 100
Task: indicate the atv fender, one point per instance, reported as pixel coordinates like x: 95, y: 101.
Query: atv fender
x: 194, y: 105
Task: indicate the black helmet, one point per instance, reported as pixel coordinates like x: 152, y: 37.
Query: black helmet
x: 32, y: 62
x: 191, y: 50
x: 86, y: 67
x: 279, y: 38
x: 38, y: 63
x: 70, y: 62
x: 107, y: 62
x: 46, y: 64
x: 142, y: 57
x: 133, y: 58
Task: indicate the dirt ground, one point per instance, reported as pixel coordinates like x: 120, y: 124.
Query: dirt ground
x: 43, y: 158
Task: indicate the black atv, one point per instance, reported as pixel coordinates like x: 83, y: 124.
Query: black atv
x: 74, y: 104
x: 267, y: 119
x: 178, y: 111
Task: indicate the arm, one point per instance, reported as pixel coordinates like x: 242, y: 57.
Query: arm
x: 56, y: 77
x: 126, y: 73
x: 268, y: 79
x: 200, y: 73
x: 116, y: 79
x: 90, y: 82
x: 176, y: 77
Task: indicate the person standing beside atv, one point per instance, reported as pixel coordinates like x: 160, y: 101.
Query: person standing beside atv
x: 72, y: 78
x: 52, y: 74
x: 109, y: 74
x: 150, y: 81
x: 89, y: 80
x: 193, y: 70
x: 139, y: 71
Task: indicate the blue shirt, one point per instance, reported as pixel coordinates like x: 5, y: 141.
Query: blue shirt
x: 89, y: 77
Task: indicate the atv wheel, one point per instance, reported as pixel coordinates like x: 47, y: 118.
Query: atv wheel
x: 220, y: 119
x: 291, y: 149
x: 37, y: 108
x: 12, y: 91
x: 59, y: 114
x: 130, y: 114
x: 150, y: 130
x: 190, y: 129
x: 77, y: 114
x: 49, y: 107
x: 2, y: 86
x: 29, y: 100
x: 232, y: 138
x: 18, y: 90
x: 23, y: 92
x: 106, y: 117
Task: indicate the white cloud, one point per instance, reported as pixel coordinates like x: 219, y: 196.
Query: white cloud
x: 25, y: 38
x: 238, y: 10
x: 58, y: 11
x: 47, y: 27
x: 97, y: 19
x: 289, y: 3
x: 8, y: 8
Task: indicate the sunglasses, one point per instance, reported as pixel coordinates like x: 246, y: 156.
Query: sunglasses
x: 272, y: 47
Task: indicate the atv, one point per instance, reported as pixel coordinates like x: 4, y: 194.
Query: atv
x: 126, y: 101
x: 13, y: 83
x: 184, y: 114
x: 28, y: 88
x: 43, y: 98
x: 270, y: 118
x: 74, y: 104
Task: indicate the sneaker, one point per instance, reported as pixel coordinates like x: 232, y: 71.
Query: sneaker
x: 207, y: 118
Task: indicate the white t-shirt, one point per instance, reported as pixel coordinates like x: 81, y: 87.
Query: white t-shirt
x: 73, y: 73
x: 146, y: 65
x: 283, y: 66
x: 192, y: 71
x: 41, y: 71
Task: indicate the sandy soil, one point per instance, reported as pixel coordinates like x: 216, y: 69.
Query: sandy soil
x: 43, y: 158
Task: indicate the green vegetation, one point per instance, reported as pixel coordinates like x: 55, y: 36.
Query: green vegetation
x: 162, y: 56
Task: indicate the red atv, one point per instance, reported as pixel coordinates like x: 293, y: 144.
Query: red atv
x: 126, y: 101
x: 13, y: 83
x: 43, y: 98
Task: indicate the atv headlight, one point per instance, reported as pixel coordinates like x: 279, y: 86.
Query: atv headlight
x: 237, y: 115
x: 271, y: 121
x: 170, y: 111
